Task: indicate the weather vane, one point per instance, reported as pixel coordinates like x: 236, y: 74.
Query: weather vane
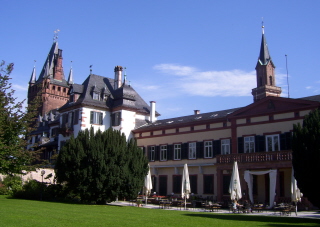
x: 55, y: 36
x: 262, y: 25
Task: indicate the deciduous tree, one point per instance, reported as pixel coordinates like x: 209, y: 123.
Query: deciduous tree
x: 14, y: 127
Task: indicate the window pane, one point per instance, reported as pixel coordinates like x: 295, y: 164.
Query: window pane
x: 177, y: 151
x: 276, y: 143
x: 192, y: 150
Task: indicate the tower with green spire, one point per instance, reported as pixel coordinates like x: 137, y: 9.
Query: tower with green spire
x: 265, y: 74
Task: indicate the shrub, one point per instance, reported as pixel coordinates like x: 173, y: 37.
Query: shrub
x: 12, y: 183
x: 32, y: 189
x: 3, y: 189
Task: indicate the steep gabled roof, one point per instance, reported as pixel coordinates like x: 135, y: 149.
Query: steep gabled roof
x: 48, y: 65
x: 123, y: 97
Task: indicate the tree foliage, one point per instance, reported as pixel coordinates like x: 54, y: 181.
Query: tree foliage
x: 101, y: 166
x: 14, y: 127
x: 306, y: 155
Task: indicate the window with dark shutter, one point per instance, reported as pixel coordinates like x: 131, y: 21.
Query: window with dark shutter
x: 76, y: 117
x: 116, y: 119
x: 240, y: 145
x: 151, y: 153
x: 96, y: 118
x: 199, y: 149
x: 216, y: 147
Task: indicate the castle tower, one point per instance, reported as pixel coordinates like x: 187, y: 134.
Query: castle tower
x: 51, y: 85
x: 265, y: 74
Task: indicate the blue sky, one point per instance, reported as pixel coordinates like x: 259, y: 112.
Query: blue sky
x: 185, y: 55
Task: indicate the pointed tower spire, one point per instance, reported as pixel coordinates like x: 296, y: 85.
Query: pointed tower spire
x: 33, y: 74
x: 46, y: 69
x: 264, y: 56
x: 265, y: 71
x: 70, y: 78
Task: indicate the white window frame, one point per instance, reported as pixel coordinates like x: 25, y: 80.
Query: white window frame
x: 225, y: 146
x: 177, y: 152
x: 274, y: 142
x: 248, y: 144
x: 193, y: 150
x: 95, y: 118
x: 163, y: 153
x: 208, y: 149
x: 96, y: 96
x: 152, y: 153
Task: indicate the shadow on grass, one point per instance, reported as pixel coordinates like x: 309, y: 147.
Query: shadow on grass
x: 272, y: 221
x: 65, y: 201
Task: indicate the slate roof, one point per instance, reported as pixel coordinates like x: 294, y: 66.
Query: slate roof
x: 49, y: 66
x: 125, y: 96
x: 165, y: 123
x: 187, y: 119
x: 312, y: 98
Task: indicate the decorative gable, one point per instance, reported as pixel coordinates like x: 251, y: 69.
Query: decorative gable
x: 272, y: 105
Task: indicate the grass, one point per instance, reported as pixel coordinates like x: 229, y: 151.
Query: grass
x: 17, y: 212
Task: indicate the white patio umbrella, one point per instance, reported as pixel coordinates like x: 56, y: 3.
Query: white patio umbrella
x: 147, y: 184
x: 295, y: 192
x: 185, y: 189
x: 235, y: 187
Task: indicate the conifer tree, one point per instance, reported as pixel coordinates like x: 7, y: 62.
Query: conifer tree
x: 306, y: 156
x: 15, y: 127
x: 101, y: 166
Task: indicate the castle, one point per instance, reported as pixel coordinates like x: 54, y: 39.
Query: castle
x: 258, y: 136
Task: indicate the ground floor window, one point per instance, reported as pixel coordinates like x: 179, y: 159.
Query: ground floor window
x: 176, y: 184
x: 226, y: 184
x: 208, y: 184
x: 193, y: 184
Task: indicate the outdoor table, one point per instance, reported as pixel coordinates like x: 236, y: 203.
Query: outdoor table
x: 215, y: 207
x: 164, y: 204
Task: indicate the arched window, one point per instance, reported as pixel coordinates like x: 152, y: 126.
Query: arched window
x: 270, y: 80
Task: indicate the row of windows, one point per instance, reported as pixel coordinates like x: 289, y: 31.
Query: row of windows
x: 208, y: 184
x: 72, y: 118
x: 192, y: 150
x: 209, y: 149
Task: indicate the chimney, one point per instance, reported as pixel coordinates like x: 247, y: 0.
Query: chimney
x: 196, y: 112
x: 58, y: 71
x: 152, y: 111
x: 117, y: 76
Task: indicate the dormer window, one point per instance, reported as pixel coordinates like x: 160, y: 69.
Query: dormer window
x: 96, y: 96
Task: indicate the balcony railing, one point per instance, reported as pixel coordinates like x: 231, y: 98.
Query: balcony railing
x: 256, y: 157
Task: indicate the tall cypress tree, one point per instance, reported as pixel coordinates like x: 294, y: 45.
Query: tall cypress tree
x: 101, y: 166
x: 306, y: 155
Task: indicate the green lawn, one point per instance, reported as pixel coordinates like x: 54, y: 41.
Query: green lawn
x: 16, y: 212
